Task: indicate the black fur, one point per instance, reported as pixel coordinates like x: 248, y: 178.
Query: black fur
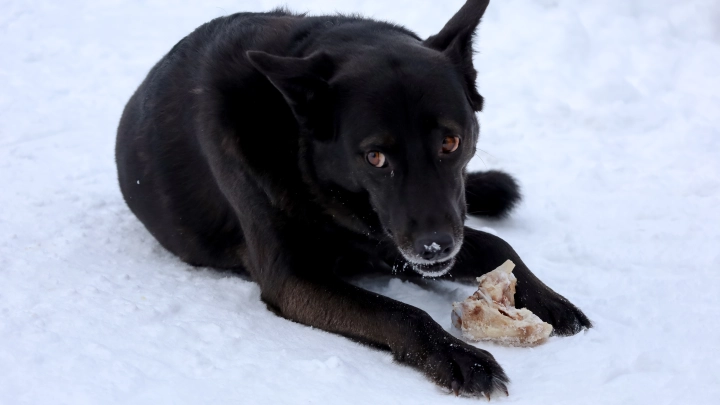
x: 491, y: 194
x: 248, y: 146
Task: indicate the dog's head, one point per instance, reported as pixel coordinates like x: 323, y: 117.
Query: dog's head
x: 389, y: 132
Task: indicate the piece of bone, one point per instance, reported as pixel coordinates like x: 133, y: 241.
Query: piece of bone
x: 490, y: 313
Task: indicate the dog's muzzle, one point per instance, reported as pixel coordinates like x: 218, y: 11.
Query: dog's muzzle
x: 435, y: 269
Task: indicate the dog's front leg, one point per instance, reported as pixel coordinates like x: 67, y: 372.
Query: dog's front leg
x: 483, y: 252
x: 292, y: 259
x: 301, y: 288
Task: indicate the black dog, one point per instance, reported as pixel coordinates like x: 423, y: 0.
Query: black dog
x: 300, y: 149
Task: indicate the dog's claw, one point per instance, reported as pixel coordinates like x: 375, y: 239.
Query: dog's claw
x: 455, y: 388
x: 507, y: 394
x: 487, y: 396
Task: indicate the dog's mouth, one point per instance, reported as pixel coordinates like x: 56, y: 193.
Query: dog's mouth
x: 435, y: 269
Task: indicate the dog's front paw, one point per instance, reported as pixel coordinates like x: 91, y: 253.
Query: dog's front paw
x: 553, y: 308
x: 465, y: 369
x: 458, y: 366
x: 450, y: 362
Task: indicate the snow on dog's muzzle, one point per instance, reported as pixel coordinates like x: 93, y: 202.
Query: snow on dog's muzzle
x: 435, y: 269
x: 432, y: 255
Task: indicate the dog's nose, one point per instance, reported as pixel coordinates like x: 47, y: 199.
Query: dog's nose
x: 434, y: 246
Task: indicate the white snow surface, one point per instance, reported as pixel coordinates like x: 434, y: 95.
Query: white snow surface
x: 608, y: 112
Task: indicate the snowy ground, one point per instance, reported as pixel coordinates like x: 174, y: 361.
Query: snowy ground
x: 607, y: 111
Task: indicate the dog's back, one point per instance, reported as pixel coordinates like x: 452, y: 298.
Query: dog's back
x: 206, y: 84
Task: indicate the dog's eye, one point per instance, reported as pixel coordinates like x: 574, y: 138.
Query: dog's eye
x: 376, y: 158
x: 450, y: 144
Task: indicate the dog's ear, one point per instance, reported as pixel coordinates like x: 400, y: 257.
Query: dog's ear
x: 303, y: 82
x: 455, y: 41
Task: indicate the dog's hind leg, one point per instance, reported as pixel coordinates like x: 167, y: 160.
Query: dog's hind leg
x: 491, y: 194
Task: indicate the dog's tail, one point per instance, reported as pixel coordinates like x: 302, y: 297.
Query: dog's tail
x: 491, y: 194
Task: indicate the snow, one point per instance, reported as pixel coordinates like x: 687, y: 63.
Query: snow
x: 433, y: 247
x: 607, y: 112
